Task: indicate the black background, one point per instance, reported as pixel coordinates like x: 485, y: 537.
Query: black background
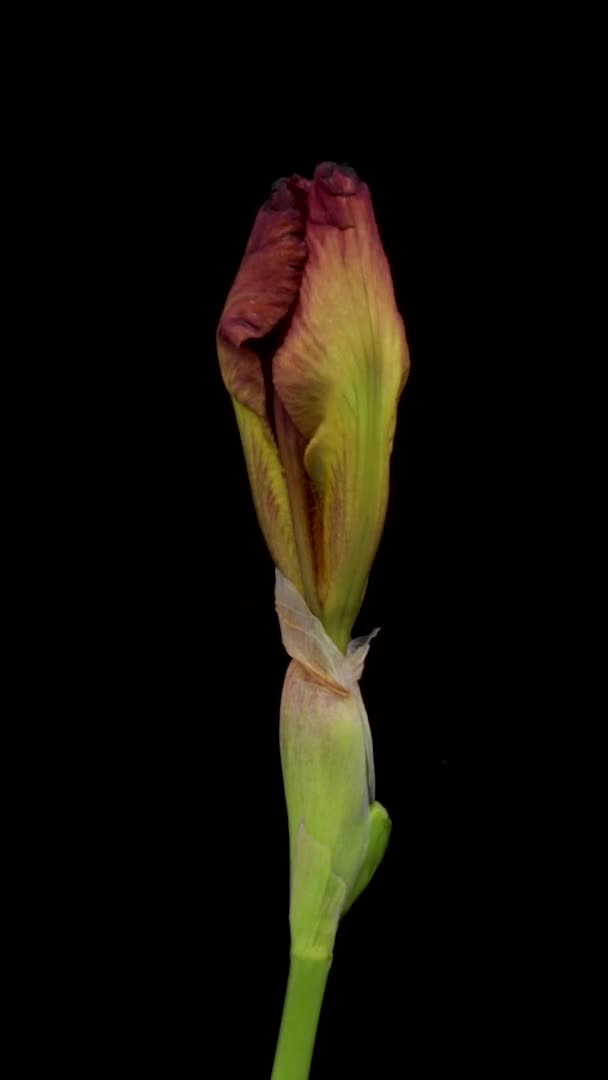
x: 149, y: 815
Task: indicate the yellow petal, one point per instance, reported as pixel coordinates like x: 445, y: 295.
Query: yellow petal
x: 269, y: 490
x: 339, y: 374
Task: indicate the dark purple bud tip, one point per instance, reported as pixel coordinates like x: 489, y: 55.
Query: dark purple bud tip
x: 281, y: 195
x: 338, y: 179
x: 289, y: 193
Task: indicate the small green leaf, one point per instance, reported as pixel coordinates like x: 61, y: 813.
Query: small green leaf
x: 379, y: 833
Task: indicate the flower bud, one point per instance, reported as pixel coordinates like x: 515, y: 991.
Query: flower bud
x: 313, y: 352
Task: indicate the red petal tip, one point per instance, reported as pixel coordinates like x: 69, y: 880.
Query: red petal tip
x: 338, y: 179
x: 289, y: 193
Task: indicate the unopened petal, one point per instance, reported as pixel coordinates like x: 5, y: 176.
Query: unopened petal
x: 268, y: 489
x: 265, y: 287
x: 254, y: 315
x: 339, y: 374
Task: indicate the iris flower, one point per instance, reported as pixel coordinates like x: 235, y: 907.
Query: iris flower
x: 313, y: 352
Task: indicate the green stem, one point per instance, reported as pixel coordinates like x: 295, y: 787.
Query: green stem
x: 303, y: 999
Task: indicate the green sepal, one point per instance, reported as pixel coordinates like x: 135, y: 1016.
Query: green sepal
x: 317, y: 898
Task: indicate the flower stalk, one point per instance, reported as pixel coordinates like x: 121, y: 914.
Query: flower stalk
x: 302, y: 1007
